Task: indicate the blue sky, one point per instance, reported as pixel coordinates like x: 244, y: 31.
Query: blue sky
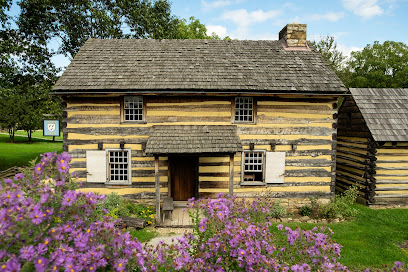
x: 353, y: 23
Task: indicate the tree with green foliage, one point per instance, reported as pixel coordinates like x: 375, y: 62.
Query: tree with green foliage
x: 379, y: 66
x: 327, y: 47
x: 75, y: 21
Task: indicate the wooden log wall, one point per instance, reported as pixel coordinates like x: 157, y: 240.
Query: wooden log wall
x: 307, y: 124
x: 392, y: 174
x: 355, y: 153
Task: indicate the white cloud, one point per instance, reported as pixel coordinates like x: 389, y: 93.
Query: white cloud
x: 346, y: 50
x: 329, y: 16
x: 242, y: 17
x: 363, y: 8
x: 217, y: 29
x: 215, y: 4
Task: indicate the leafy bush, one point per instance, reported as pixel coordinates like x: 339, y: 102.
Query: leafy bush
x: 46, y: 225
x: 306, y: 210
x: 278, y: 210
x: 118, y: 206
x: 340, y: 205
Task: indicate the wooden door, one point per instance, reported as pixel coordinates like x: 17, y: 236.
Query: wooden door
x: 183, y: 172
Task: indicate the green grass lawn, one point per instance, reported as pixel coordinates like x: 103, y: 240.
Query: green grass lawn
x: 372, y: 239
x: 143, y: 235
x: 21, y: 152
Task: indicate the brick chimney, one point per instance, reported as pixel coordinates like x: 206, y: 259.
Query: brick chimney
x: 294, y: 35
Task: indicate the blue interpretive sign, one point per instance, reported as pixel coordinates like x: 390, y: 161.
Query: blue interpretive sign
x: 51, y: 128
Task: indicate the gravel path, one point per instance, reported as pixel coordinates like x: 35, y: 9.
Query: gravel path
x: 168, y: 235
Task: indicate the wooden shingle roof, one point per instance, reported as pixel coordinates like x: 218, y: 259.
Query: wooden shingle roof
x: 125, y: 65
x: 385, y: 112
x: 193, y: 139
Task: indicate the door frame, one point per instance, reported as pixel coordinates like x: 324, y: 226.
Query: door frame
x: 171, y: 160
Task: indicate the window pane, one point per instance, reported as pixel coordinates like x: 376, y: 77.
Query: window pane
x: 133, y: 108
x: 118, y: 165
x: 243, y: 109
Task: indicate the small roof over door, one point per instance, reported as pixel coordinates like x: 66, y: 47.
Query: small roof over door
x: 195, y: 139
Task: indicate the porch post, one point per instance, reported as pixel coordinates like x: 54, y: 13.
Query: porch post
x: 231, y: 174
x: 157, y: 184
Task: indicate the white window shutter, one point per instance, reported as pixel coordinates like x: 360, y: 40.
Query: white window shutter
x: 96, y: 166
x: 275, y: 167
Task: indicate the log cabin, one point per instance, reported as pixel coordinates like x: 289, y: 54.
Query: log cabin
x: 372, y: 146
x: 150, y: 119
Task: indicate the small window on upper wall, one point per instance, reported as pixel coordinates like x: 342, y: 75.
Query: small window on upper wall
x: 133, y: 108
x: 244, y: 109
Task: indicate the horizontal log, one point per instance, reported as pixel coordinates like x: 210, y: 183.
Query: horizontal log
x: 345, y: 133
x: 392, y: 196
x: 362, y: 141
x: 350, y: 179
x: 392, y: 168
x: 315, y: 131
x: 301, y: 141
x: 113, y: 130
x: 349, y: 145
x: 350, y: 159
x: 309, y: 163
x: 81, y: 153
x: 102, y: 107
x: 132, y: 185
x: 263, y: 119
x: 190, y: 108
x: 363, y: 156
x: 108, y: 141
x: 148, y: 173
x: 213, y: 184
x: 124, y: 222
x: 94, y: 119
x: 92, y: 100
x: 296, y: 108
x: 392, y: 181
x: 392, y: 188
x: 307, y: 173
x: 173, y: 119
x: 355, y: 166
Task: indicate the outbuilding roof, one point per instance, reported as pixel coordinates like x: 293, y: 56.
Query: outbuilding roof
x: 187, y: 139
x: 138, y: 65
x: 385, y: 111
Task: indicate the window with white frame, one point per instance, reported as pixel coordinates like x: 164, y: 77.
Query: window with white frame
x: 133, y: 108
x: 244, y: 109
x: 262, y: 167
x: 118, y: 166
x: 253, y: 166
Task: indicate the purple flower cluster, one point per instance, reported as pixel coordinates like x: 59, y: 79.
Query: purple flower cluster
x: 46, y: 225
x: 227, y: 237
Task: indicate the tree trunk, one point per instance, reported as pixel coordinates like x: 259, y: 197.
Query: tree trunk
x: 29, y: 134
x: 11, y: 134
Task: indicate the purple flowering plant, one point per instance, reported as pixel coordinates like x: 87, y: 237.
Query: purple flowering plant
x: 230, y: 235
x: 46, y: 225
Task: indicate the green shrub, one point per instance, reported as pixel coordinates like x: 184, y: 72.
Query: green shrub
x: 117, y: 206
x: 306, y: 210
x: 341, y: 205
x: 278, y: 210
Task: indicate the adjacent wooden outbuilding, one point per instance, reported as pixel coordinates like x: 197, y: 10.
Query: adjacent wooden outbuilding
x: 193, y: 118
x: 372, y: 146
